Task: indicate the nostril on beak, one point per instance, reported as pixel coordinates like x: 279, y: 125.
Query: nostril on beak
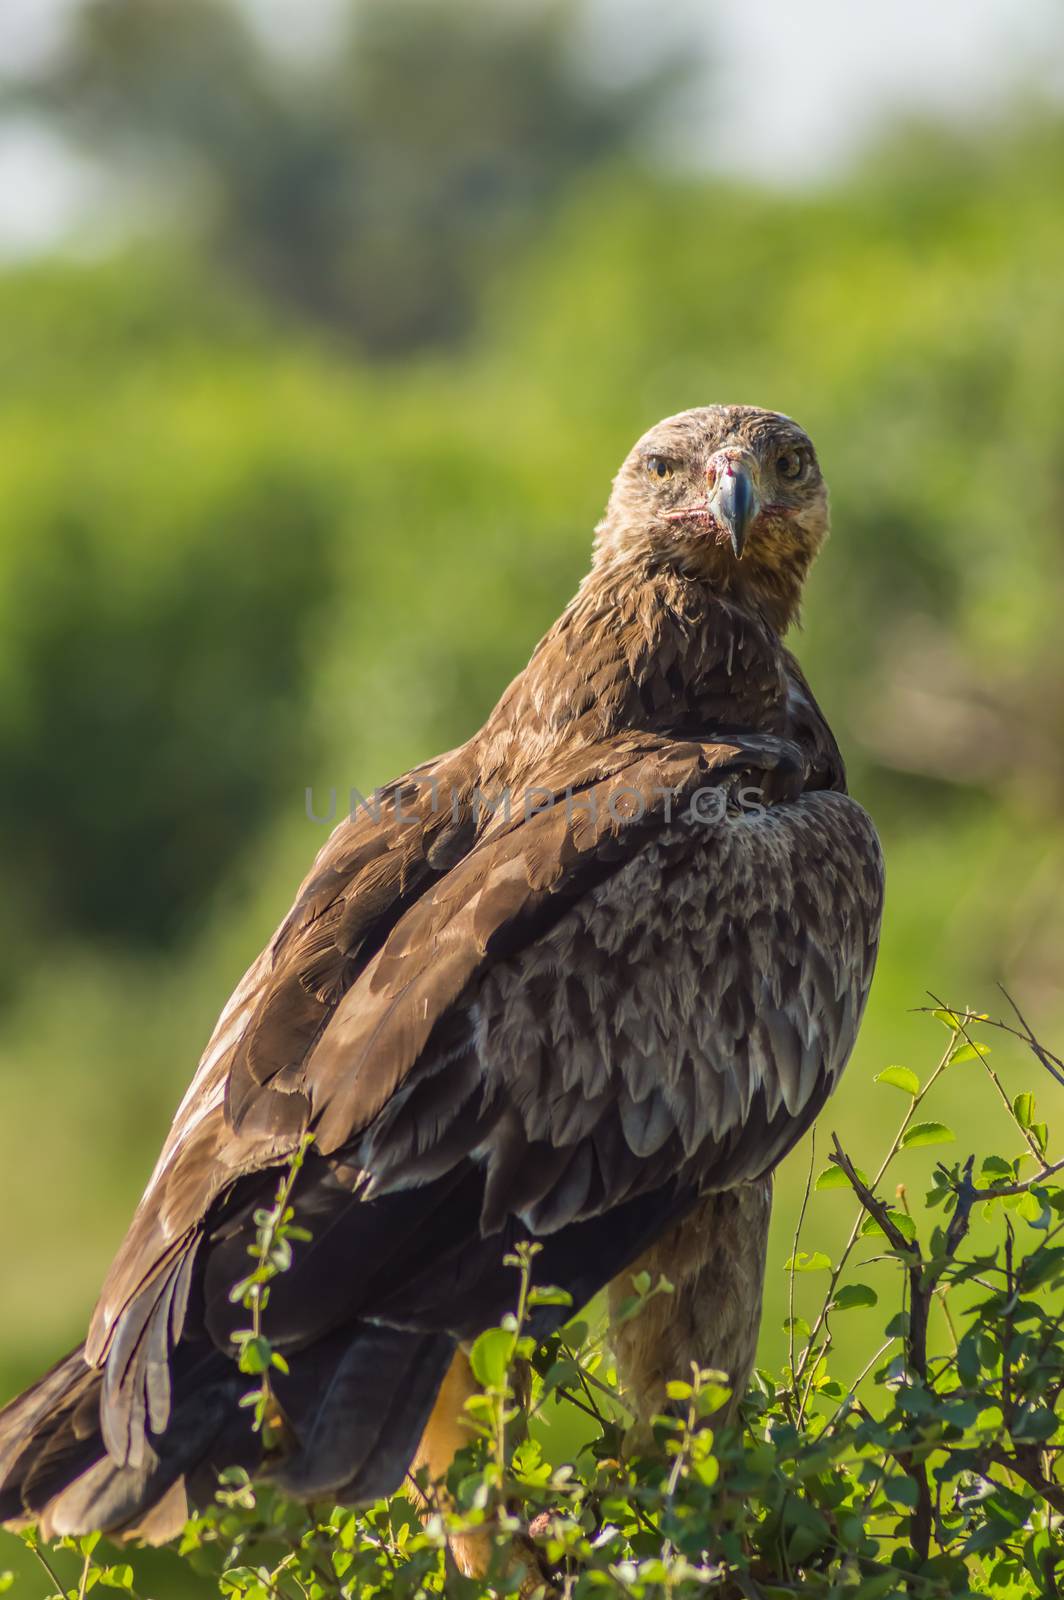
x: 733, y: 498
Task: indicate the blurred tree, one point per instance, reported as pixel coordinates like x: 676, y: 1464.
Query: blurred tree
x: 372, y: 188
x: 161, y: 721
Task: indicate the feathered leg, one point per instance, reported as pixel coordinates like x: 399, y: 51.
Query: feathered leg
x: 715, y: 1260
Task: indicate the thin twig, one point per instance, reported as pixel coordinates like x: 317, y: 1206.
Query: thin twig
x: 794, y: 1245
x: 1019, y: 1188
x: 588, y: 1378
x: 960, y: 1024
x: 47, y: 1565
x: 1052, y: 1063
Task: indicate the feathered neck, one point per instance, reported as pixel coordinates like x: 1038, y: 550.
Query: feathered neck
x: 640, y: 648
x: 768, y: 581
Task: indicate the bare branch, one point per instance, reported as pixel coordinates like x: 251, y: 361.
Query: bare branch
x: 874, y: 1207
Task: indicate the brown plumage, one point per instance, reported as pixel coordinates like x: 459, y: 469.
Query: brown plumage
x: 585, y: 979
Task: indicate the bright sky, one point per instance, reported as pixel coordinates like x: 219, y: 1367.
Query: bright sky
x: 801, y: 85
x: 793, y: 88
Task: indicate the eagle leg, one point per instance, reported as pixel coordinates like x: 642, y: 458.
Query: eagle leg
x: 715, y: 1261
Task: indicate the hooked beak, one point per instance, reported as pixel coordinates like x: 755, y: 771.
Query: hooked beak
x: 732, y: 497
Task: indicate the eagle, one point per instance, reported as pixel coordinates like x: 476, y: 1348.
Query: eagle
x: 583, y: 981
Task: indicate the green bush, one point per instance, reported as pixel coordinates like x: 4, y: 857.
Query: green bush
x: 936, y: 1469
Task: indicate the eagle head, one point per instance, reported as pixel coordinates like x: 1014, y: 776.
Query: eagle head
x: 732, y: 495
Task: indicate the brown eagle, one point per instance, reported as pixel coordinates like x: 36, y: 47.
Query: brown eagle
x: 584, y: 981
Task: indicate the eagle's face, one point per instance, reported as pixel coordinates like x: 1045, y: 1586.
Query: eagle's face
x: 728, y: 493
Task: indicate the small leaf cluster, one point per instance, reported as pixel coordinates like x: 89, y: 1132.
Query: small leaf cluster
x: 271, y: 1251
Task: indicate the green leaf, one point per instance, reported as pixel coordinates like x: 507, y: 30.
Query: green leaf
x: 900, y: 1078
x: 875, y: 1588
x: 117, y: 1577
x: 490, y: 1357
x: 804, y: 1262
x: 1036, y: 1425
x: 852, y: 1295
x: 1023, y: 1109
x: 549, y: 1296
x: 564, y: 1373
x: 968, y: 1359
x: 901, y: 1220
x: 833, y: 1177
x: 968, y: 1052
x: 711, y: 1396
x: 280, y: 1255
x: 927, y: 1133
x: 1041, y: 1266
x: 1033, y: 1208
x: 255, y: 1356
x: 808, y: 1529
x: 902, y: 1491
x: 676, y: 1389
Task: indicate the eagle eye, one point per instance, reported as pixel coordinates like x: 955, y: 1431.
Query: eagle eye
x: 659, y: 467
x: 791, y: 464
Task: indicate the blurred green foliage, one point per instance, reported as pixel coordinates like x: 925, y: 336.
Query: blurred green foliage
x: 241, y: 554
x: 368, y: 187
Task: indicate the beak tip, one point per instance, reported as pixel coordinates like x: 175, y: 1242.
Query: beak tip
x: 734, y: 504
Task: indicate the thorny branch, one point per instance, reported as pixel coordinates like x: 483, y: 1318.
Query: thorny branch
x: 1024, y: 1459
x: 923, y: 1278
x: 806, y: 1364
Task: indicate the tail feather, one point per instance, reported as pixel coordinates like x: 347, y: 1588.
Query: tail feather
x: 357, y: 1422
x: 137, y: 1380
x: 30, y: 1409
x: 29, y: 1423
x: 55, y: 1466
x: 108, y: 1498
x: 354, y: 1405
x: 57, y: 1460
